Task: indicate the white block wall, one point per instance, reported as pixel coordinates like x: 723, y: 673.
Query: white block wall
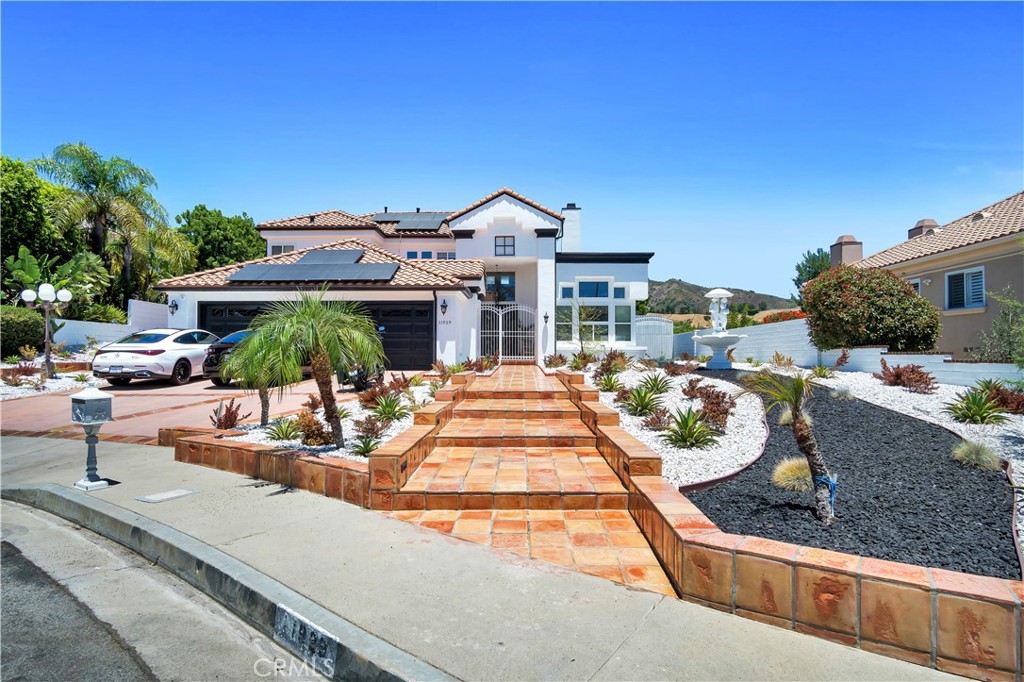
x: 790, y: 338
x: 74, y: 332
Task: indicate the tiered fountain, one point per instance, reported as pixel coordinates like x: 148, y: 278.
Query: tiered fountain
x: 719, y: 340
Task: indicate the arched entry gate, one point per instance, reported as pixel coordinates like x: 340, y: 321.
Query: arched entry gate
x: 508, y: 330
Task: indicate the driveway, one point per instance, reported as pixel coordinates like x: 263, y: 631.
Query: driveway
x: 142, y: 408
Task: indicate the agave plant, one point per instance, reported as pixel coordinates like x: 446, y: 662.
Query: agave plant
x: 641, y: 402
x: 284, y: 429
x: 609, y: 383
x: 365, y: 445
x: 689, y: 430
x: 656, y: 383
x: 390, y: 408
x: 975, y: 407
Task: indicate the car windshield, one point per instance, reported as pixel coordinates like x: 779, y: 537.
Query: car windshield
x: 143, y: 337
x: 236, y: 337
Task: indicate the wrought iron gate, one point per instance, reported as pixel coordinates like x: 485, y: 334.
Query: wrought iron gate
x: 508, y: 330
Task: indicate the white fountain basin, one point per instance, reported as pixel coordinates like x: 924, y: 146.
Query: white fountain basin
x: 719, y: 343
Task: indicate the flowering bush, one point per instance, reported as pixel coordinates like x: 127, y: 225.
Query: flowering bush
x: 848, y: 307
x: 783, y: 316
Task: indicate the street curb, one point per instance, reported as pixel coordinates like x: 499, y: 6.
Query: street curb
x: 249, y: 594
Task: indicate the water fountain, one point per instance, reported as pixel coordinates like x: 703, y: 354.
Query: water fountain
x: 719, y: 340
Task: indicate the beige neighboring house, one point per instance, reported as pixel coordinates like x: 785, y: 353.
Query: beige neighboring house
x: 955, y: 266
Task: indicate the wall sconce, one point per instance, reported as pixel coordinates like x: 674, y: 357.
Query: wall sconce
x: 444, y: 307
x: 173, y: 307
x: 545, y: 318
x: 926, y: 282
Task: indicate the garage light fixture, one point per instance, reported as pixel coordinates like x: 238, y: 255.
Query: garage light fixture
x: 173, y: 307
x: 444, y: 307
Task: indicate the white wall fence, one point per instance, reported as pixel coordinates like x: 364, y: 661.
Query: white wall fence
x: 790, y: 338
x: 655, y: 334
x: 141, y: 315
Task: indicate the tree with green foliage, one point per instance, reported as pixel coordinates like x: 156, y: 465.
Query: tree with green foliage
x: 103, y: 194
x: 25, y: 201
x: 810, y: 266
x: 220, y: 239
x: 83, y: 275
x: 249, y: 363
x: 151, y: 254
x: 330, y: 334
x: 1004, y: 342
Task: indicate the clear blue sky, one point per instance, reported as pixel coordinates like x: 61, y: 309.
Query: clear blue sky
x: 727, y: 137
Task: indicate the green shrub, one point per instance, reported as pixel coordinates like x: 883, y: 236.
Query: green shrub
x: 284, y: 429
x: 20, y: 327
x: 689, y: 430
x: 365, y: 445
x: 977, y: 455
x: 822, y: 372
x: 656, y: 383
x: 848, y: 307
x: 390, y: 408
x: 608, y: 384
x: 975, y: 407
x: 104, y: 312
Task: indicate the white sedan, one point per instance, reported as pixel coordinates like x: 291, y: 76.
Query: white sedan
x: 174, y: 354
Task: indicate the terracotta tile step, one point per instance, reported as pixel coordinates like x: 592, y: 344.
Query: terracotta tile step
x: 410, y: 500
x: 517, y: 409
x: 476, y: 392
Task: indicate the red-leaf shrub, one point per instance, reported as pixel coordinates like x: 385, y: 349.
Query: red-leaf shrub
x: 783, y: 316
x: 911, y: 377
x: 848, y: 307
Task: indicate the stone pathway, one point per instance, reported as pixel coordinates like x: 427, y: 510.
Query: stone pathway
x: 517, y: 470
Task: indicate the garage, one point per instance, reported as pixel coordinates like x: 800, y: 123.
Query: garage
x: 407, y: 334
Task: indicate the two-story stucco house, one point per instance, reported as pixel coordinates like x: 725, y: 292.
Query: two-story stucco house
x: 503, y: 276
x: 955, y: 266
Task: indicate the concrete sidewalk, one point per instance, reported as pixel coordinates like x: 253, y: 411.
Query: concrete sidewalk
x: 471, y: 611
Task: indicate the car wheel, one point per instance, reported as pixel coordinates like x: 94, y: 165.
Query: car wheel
x: 118, y: 381
x: 182, y: 373
x: 217, y: 381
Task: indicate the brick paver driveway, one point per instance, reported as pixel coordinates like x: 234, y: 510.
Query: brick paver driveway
x: 141, y: 409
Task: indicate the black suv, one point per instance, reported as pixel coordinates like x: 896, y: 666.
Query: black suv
x: 215, y: 355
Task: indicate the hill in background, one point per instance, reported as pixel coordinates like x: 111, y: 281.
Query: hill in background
x: 677, y: 296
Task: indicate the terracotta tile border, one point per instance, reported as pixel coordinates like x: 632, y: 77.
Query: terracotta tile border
x: 965, y: 624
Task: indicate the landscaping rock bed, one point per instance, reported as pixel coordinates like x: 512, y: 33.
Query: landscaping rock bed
x: 901, y: 496
x: 64, y: 381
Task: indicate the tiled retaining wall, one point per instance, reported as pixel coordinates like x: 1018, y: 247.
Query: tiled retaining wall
x: 960, y: 623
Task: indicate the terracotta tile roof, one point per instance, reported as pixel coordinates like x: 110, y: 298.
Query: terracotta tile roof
x: 462, y: 269
x: 509, y: 192
x: 1002, y: 218
x: 410, y: 274
x: 340, y: 220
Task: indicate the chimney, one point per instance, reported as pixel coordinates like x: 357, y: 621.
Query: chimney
x: 417, y: 209
x: 846, y: 250
x: 920, y: 227
x: 571, y: 238
x: 385, y: 209
x: 312, y: 219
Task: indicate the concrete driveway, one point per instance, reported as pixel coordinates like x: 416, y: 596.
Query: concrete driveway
x: 142, y: 408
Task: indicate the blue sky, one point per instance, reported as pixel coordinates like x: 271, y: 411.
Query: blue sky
x: 727, y: 137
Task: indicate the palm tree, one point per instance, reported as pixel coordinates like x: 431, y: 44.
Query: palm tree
x: 102, y: 193
x: 248, y: 363
x: 330, y: 334
x: 794, y: 393
x: 144, y: 255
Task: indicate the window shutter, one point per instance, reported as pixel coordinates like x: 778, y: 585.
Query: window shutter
x: 916, y: 286
x: 975, y: 286
x: 956, y: 290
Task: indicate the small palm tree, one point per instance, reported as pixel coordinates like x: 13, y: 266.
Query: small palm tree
x: 248, y: 363
x: 793, y: 393
x: 329, y: 334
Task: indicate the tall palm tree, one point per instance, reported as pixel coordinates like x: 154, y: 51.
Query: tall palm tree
x: 329, y: 333
x: 249, y: 363
x: 794, y: 393
x: 102, y: 193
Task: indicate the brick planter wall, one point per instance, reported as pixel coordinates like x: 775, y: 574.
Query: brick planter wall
x: 960, y: 623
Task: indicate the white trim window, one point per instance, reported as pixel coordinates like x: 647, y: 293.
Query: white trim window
x: 278, y: 249
x: 965, y: 288
x: 915, y: 284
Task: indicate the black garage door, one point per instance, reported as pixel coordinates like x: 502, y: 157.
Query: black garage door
x: 408, y: 333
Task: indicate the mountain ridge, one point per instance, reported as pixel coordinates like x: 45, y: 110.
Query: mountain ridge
x: 677, y: 296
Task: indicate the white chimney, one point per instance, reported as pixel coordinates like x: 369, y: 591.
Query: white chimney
x: 571, y: 240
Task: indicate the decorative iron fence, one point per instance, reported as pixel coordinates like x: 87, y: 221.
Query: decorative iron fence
x: 508, y: 330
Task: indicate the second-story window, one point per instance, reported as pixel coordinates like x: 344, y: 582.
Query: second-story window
x: 593, y: 289
x: 426, y: 255
x: 278, y: 249
x: 504, y: 246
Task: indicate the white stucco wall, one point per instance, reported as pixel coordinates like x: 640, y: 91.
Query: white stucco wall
x: 457, y: 329
x: 400, y: 245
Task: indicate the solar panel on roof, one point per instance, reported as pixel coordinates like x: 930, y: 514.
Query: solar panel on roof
x: 331, y: 256
x: 316, y: 272
x: 411, y: 220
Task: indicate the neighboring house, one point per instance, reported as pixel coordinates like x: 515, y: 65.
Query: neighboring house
x: 500, y: 276
x: 955, y: 265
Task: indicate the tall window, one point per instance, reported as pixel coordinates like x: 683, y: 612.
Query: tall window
x: 623, y: 323
x: 502, y: 285
x: 504, y: 246
x: 593, y: 289
x: 965, y: 289
x: 278, y: 249
x: 594, y: 322
x: 563, y: 323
